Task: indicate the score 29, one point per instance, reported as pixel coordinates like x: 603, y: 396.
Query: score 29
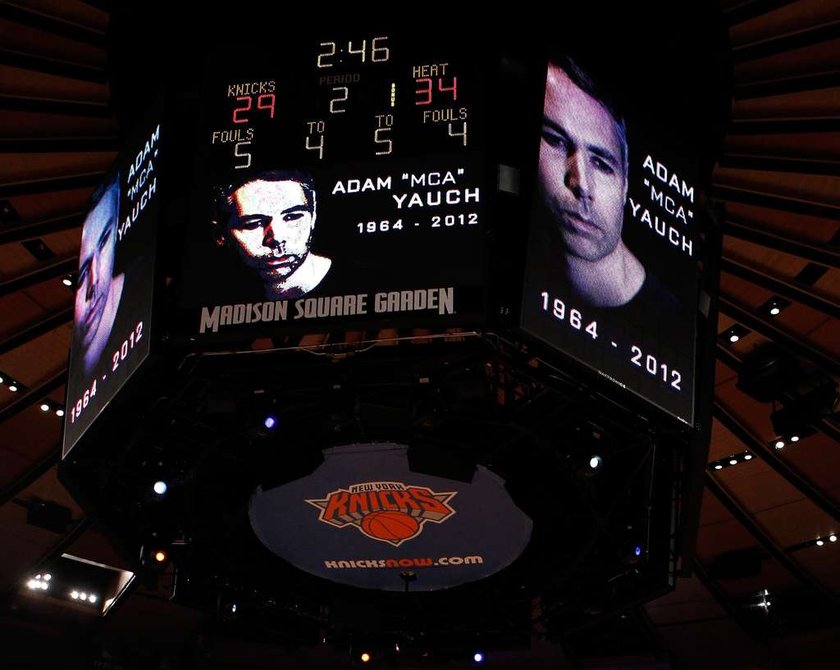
x: 264, y: 101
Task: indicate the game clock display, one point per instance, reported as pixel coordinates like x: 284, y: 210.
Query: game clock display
x: 340, y: 181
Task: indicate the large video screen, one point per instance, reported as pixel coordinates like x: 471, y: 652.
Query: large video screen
x: 114, y: 284
x: 340, y: 182
x: 611, y: 272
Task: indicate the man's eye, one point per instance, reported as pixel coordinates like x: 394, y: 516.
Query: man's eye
x: 554, y: 140
x: 250, y: 223
x: 292, y: 216
x: 602, y: 165
x: 104, y: 240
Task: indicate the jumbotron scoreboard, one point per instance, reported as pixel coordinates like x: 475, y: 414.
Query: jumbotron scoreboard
x: 388, y: 133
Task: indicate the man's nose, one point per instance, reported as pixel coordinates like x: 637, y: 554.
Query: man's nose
x: 92, y: 278
x: 269, y: 238
x: 578, y: 177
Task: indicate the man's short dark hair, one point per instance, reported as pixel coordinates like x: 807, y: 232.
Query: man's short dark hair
x: 585, y: 82
x: 223, y: 200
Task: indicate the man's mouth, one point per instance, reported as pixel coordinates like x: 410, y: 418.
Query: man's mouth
x: 579, y: 222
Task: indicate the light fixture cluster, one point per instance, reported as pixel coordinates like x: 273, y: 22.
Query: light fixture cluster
x: 826, y: 539
x: 764, y: 600
x: 9, y: 382
x: 782, y: 442
x: 40, y: 582
x: 733, y: 334
x: 729, y: 461
x: 84, y: 596
x: 48, y: 405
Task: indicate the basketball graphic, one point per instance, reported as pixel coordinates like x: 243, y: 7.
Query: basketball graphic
x: 390, y: 525
x: 391, y: 512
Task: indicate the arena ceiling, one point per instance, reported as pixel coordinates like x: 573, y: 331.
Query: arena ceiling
x: 763, y: 583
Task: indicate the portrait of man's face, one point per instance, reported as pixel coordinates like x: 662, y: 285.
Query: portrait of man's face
x: 96, y: 270
x: 582, y: 174
x: 270, y: 225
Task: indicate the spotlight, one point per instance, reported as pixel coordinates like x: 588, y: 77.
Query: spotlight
x: 733, y: 461
x: 270, y: 422
x: 13, y: 387
x: 637, y: 551
x: 47, y: 577
x: 820, y: 543
x: 718, y: 467
x: 747, y: 457
x: 478, y: 657
x: 595, y: 462
x: 734, y: 333
x: 92, y: 598
x: 59, y: 412
x: 45, y: 407
x: 775, y: 305
x: 160, y: 487
x: 779, y: 444
x: 832, y: 538
x: 74, y: 595
x: 794, y: 438
x: 364, y: 657
x: 67, y: 280
x: 160, y: 556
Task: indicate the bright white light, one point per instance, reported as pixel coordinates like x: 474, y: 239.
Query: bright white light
x: 747, y: 457
x: 832, y: 538
x: 733, y: 461
x: 779, y: 444
x: 775, y: 311
x: 820, y: 543
x: 794, y: 438
x: 478, y: 657
x: 32, y: 584
x: 74, y: 595
x: 67, y: 281
x: 83, y: 596
x: 13, y: 388
x: 91, y: 598
x: 45, y: 407
x: 718, y: 467
x: 595, y: 462
x: 59, y: 412
x: 734, y: 338
x: 160, y: 487
x: 47, y: 577
x: 44, y: 586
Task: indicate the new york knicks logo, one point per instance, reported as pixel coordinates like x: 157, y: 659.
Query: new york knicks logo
x: 390, y: 512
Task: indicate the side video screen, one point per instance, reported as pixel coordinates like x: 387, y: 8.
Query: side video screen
x: 611, y: 271
x: 114, y: 284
